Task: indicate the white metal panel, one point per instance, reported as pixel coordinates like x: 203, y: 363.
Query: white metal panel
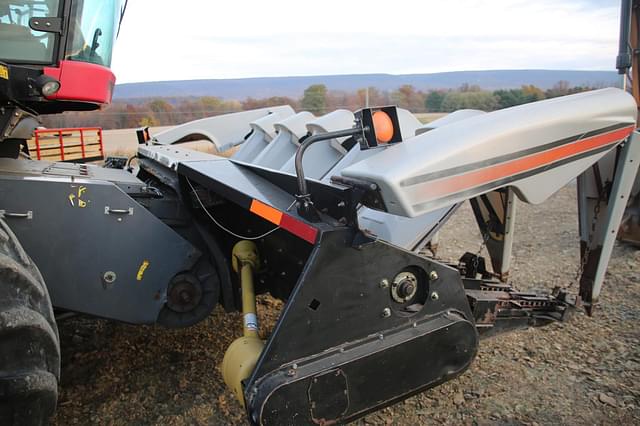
x: 263, y: 131
x: 284, y: 146
x: 430, y: 171
x: 321, y: 157
x: 224, y: 131
x: 455, y: 116
x: 296, y: 124
x: 409, y: 123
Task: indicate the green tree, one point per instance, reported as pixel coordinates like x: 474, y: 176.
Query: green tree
x: 482, y: 100
x: 509, y: 98
x: 466, y: 87
x: 433, y: 102
x: 561, y: 88
x: 532, y: 93
x: 315, y: 99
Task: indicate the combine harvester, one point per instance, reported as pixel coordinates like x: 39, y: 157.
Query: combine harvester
x: 326, y: 213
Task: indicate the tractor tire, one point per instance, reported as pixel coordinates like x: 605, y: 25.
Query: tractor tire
x: 29, y: 342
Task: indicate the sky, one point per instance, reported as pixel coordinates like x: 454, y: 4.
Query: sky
x: 199, y: 39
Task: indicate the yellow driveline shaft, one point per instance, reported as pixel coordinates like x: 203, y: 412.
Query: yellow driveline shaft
x: 242, y: 355
x: 249, y: 301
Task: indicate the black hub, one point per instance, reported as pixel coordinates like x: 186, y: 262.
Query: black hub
x: 184, y: 293
x: 406, y: 289
x: 409, y: 290
x: 191, y: 296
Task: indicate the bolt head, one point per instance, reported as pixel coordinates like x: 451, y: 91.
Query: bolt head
x: 386, y: 313
x: 433, y: 275
x: 384, y: 283
x: 435, y: 296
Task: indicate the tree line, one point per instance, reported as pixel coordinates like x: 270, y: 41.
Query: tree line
x: 317, y: 99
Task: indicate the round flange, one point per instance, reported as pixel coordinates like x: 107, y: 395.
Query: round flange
x: 190, y: 296
x: 184, y: 293
x: 404, y: 287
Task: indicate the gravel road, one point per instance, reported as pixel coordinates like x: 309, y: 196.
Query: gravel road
x: 585, y: 371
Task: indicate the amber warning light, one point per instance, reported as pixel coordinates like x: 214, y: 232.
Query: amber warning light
x: 380, y: 126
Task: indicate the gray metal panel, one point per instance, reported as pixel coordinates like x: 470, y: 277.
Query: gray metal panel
x: 170, y: 156
x: 455, y: 116
x: 278, y: 152
x: 410, y: 233
x: 409, y: 123
x: 263, y: 133
x: 600, y: 241
x: 321, y: 157
x: 411, y: 174
x: 317, y: 161
x: 224, y: 131
x: 75, y: 237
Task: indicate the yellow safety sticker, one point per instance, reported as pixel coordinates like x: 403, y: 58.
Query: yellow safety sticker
x: 77, y: 196
x: 143, y: 267
x: 4, y: 72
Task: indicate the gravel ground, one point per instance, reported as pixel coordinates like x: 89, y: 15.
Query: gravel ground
x: 585, y: 371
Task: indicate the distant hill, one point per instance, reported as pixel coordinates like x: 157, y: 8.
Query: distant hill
x: 294, y: 86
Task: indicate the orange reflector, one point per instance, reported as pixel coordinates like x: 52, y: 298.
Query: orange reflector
x: 266, y: 212
x: 382, y: 126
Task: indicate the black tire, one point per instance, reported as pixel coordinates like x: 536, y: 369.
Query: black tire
x: 29, y: 343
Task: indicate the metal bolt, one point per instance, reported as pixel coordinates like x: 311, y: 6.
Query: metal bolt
x: 386, y: 313
x: 435, y: 296
x: 433, y: 275
x: 109, y: 277
x: 384, y: 283
x: 291, y: 373
x: 294, y: 366
x: 119, y: 219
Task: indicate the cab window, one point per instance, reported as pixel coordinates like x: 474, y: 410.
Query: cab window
x: 18, y: 42
x: 93, y: 30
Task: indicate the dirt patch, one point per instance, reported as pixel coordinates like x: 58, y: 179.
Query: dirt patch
x: 585, y: 371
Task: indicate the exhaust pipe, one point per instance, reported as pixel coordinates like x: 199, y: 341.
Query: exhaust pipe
x: 242, y: 355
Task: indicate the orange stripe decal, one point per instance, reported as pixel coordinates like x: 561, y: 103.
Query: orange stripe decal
x: 266, y: 212
x: 455, y: 184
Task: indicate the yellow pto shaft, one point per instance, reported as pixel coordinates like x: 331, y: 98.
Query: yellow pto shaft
x: 242, y: 355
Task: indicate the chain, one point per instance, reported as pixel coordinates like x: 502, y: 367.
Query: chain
x: 587, y: 250
x: 485, y: 239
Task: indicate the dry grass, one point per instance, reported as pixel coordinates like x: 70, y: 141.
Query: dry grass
x: 428, y: 117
